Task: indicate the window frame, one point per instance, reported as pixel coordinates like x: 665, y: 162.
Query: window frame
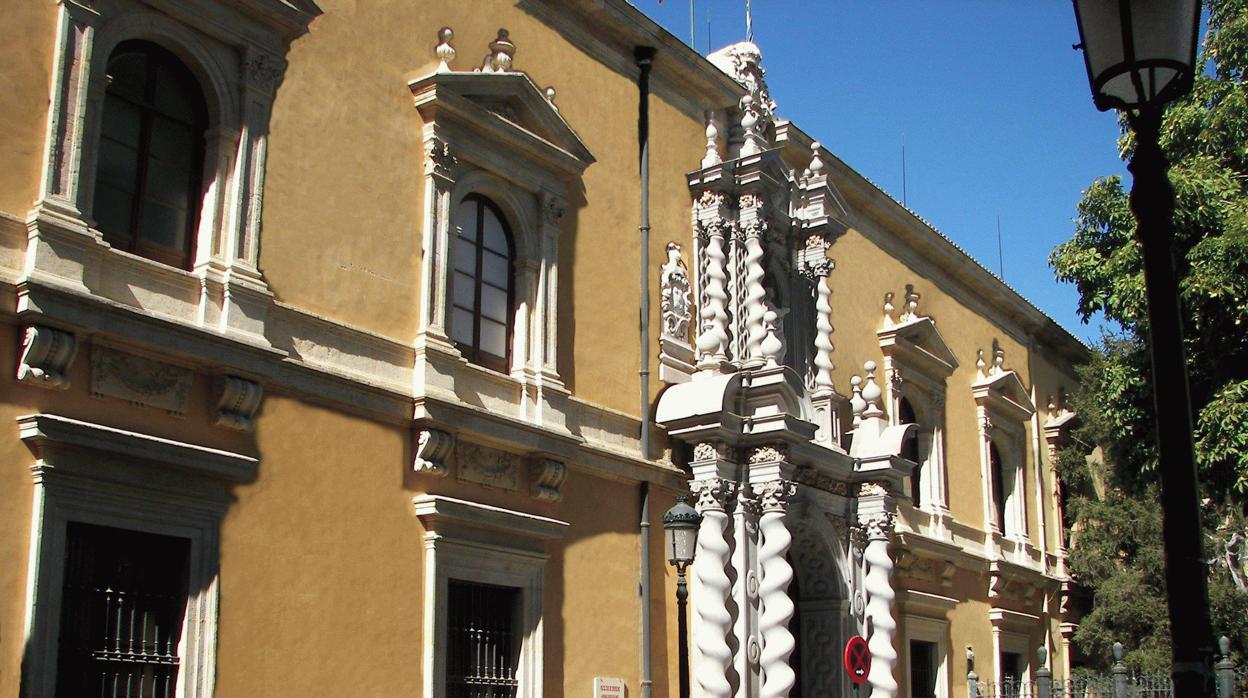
x: 1009, y: 516
x: 474, y: 353
x: 934, y: 631
x: 100, y: 475
x: 483, y: 544
x: 914, y: 446
x: 156, y: 56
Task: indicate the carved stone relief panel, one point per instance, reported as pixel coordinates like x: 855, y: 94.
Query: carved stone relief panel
x: 821, y: 637
x: 139, y: 380
x: 487, y: 466
x: 911, y: 567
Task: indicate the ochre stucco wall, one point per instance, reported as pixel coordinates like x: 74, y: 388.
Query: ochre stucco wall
x: 863, y: 275
x: 343, y: 215
x: 320, y: 562
x: 27, y: 40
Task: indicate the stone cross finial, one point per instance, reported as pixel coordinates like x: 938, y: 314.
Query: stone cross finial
x: 444, y: 51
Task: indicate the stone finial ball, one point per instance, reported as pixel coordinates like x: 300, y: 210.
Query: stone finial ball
x: 855, y: 381
x: 869, y: 366
x: 445, y: 35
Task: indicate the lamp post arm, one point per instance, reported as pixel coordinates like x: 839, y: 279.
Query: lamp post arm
x: 1152, y: 201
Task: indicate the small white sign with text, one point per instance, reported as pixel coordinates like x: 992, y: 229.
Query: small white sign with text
x: 609, y: 688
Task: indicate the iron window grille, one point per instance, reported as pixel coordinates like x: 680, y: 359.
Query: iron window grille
x: 483, y: 651
x: 122, y: 610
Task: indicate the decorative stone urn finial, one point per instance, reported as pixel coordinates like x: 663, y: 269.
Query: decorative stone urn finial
x: 871, y: 392
x: 856, y: 403
x: 444, y: 51
x: 502, y: 52
x: 910, y: 310
x: 816, y: 164
x: 712, y: 157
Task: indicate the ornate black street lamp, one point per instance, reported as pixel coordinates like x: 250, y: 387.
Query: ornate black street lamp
x: 680, y: 531
x: 1141, y: 54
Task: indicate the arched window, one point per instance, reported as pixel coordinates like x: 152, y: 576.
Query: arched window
x: 998, y: 485
x: 482, y: 287
x: 147, y: 186
x: 910, y: 450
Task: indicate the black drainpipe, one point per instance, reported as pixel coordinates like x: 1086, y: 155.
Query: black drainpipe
x: 644, y: 56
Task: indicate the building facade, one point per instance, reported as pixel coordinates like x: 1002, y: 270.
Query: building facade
x: 328, y: 376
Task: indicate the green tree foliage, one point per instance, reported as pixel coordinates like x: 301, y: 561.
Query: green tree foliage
x: 1117, y: 550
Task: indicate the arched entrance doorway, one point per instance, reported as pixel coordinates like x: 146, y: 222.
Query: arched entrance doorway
x: 822, y: 619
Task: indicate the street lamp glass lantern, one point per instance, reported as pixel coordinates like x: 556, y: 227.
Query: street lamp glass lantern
x: 1139, y: 53
x: 680, y: 529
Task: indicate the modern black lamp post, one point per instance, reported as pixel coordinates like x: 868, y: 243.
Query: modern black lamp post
x: 680, y: 530
x: 1141, y: 54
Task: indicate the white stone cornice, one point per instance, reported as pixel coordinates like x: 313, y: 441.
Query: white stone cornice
x: 357, y: 371
x: 44, y: 433
x: 440, y: 513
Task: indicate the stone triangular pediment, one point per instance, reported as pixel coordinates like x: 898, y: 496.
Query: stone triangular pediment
x: 919, y: 345
x: 506, y: 107
x: 290, y: 17
x: 1004, y: 389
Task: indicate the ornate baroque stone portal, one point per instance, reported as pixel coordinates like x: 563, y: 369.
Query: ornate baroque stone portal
x: 758, y: 408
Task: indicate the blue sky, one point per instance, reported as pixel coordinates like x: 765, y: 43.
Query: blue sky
x: 991, y: 101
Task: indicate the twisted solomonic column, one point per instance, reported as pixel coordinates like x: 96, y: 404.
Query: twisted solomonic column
x: 755, y: 293
x: 878, y: 527
x: 712, y: 623
x: 713, y: 339
x: 823, y: 330
x: 773, y: 589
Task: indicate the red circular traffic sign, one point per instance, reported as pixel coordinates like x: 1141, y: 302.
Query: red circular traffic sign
x: 857, y: 659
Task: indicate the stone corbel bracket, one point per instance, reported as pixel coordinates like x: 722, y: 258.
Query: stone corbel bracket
x: 238, y: 403
x: 433, y: 447
x: 46, y: 356
x: 548, y: 477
